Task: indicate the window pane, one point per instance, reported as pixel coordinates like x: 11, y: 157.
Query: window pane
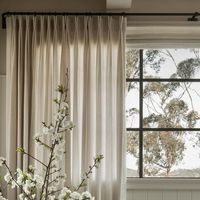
x: 171, y: 154
x: 171, y: 63
x: 132, y: 154
x: 132, y: 105
x: 132, y: 63
x: 171, y: 105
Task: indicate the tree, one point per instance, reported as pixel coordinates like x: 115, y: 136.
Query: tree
x: 163, y: 150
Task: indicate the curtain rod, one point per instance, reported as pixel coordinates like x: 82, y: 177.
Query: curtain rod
x: 192, y: 16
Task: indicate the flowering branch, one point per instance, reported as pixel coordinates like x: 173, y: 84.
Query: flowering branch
x: 21, y: 150
x: 97, y: 161
x: 13, y: 179
x: 34, y: 186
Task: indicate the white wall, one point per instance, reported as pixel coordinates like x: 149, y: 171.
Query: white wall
x: 165, y: 6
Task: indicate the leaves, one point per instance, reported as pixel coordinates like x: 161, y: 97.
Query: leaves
x: 187, y: 68
x: 20, y: 150
x: 132, y: 67
x: 154, y: 59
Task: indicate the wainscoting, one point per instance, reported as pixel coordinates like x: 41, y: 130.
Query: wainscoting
x: 162, y: 189
x: 162, y: 195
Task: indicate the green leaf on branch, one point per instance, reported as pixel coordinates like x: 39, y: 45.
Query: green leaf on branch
x: 20, y: 150
x: 60, y: 89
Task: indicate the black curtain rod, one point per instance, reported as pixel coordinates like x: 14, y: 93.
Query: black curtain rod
x: 192, y: 16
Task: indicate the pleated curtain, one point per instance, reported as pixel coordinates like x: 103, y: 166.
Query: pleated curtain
x: 40, y: 50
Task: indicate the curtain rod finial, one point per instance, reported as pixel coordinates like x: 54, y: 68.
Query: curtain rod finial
x: 3, y: 21
x: 194, y: 17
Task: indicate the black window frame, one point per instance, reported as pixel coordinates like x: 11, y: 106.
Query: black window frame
x: 141, y: 80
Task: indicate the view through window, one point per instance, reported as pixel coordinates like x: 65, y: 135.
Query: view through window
x: 163, y: 112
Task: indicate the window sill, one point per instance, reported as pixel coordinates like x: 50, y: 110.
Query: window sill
x: 162, y: 184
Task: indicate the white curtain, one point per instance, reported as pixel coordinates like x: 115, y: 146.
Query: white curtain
x: 39, y: 50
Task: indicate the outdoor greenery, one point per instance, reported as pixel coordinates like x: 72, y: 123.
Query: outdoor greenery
x: 167, y: 104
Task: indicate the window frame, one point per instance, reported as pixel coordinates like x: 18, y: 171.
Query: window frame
x: 141, y: 80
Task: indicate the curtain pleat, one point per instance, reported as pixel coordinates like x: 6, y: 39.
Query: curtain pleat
x: 40, y: 51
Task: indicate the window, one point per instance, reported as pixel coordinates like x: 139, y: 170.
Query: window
x: 163, y: 112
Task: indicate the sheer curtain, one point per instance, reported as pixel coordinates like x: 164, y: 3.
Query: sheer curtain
x: 39, y: 51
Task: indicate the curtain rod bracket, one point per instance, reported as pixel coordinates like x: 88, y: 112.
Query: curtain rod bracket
x: 194, y: 17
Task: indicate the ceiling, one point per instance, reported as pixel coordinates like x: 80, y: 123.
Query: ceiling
x: 118, y: 4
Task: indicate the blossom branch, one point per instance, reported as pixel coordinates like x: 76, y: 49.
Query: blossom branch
x: 42, y: 143
x: 21, y: 150
x: 32, y: 185
x: 97, y: 161
x: 57, y: 126
x: 55, y: 172
x: 16, y: 181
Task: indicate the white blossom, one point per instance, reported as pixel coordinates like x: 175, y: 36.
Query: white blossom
x: 2, y: 161
x: 64, y: 105
x: 86, y: 195
x: 67, y: 124
x: 28, y: 175
x: 39, y: 180
x: 56, y: 137
x: 20, y: 180
x: 48, y: 130
x: 13, y: 184
x: 1, y: 197
x: 21, y: 196
x: 59, y: 116
x: 75, y: 195
x: 20, y: 176
x: 51, y: 197
x: 7, y: 177
x: 65, y: 192
x: 19, y: 171
x: 59, y: 151
x: 31, y: 167
x: 28, y: 185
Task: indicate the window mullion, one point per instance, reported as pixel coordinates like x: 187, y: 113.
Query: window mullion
x: 141, y: 116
